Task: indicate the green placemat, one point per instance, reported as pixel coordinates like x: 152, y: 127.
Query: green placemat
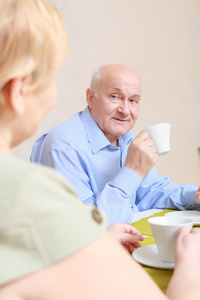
x: 143, y: 226
x: 160, y: 276
x: 148, y: 241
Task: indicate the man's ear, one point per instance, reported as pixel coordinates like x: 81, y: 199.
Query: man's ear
x: 14, y: 94
x: 90, y: 97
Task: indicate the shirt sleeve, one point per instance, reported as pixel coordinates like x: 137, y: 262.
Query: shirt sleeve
x: 115, y: 197
x: 126, y: 193
x: 161, y: 192
x: 52, y: 201
x: 42, y: 221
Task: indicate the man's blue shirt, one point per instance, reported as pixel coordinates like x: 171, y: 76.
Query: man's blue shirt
x: 95, y: 168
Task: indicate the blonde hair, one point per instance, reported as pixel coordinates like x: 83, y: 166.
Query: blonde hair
x: 33, y: 42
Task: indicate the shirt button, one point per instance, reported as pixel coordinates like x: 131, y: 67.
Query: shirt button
x: 97, y: 216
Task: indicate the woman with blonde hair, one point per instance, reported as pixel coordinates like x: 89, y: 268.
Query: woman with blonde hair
x: 51, y: 246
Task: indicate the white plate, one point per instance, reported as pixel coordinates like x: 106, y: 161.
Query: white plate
x: 148, y: 256
x: 190, y: 214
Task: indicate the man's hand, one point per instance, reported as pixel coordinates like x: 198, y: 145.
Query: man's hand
x: 127, y: 235
x: 141, y: 155
x: 197, y: 196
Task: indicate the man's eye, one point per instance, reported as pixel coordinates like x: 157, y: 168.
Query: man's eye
x: 114, y: 96
x: 133, y: 101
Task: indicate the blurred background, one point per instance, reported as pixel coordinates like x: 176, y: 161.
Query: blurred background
x: 160, y: 40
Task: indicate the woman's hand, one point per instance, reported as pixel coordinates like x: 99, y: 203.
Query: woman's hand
x: 127, y: 235
x: 187, y: 246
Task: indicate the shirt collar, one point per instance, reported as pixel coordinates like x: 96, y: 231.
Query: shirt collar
x: 96, y: 137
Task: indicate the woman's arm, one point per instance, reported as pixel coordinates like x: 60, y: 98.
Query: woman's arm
x: 187, y: 271
x: 104, y: 270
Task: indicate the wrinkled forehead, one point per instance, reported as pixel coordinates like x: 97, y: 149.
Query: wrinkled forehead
x: 125, y: 81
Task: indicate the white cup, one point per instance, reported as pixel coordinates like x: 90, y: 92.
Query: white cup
x: 160, y: 134
x: 165, y: 231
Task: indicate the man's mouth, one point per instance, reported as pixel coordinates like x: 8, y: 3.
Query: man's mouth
x: 120, y: 120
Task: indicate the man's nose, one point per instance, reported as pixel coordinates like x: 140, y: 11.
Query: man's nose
x: 123, y: 108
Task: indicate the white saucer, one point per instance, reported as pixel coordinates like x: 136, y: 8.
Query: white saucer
x: 148, y: 256
x: 190, y: 214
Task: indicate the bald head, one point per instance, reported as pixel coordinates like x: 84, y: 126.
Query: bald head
x: 109, y: 70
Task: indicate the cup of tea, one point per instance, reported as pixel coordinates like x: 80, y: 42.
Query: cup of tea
x: 160, y: 134
x: 165, y: 231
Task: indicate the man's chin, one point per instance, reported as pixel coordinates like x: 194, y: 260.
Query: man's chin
x: 120, y: 130
x: 118, y: 134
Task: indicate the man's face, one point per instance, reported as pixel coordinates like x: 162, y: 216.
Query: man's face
x: 115, y: 108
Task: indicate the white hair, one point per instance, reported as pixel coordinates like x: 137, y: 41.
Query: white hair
x: 96, y: 79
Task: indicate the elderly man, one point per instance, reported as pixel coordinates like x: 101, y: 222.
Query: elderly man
x: 98, y: 154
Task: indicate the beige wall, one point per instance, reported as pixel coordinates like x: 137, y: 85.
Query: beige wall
x: 158, y: 39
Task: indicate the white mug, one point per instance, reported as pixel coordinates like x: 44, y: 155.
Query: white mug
x: 160, y: 134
